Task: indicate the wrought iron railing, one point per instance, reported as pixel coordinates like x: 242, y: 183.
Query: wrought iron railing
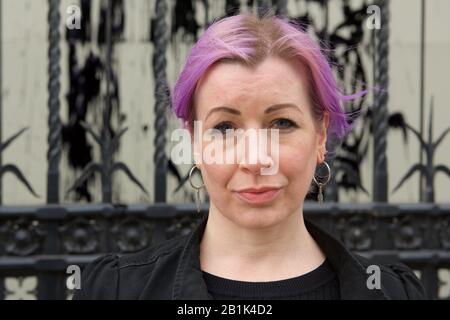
x: 38, y: 243
x: 43, y: 241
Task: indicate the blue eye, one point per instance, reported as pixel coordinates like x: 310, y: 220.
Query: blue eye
x: 223, y: 126
x: 285, y: 123
x: 281, y: 123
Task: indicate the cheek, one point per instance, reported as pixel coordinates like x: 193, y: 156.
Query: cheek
x: 297, y: 164
x: 297, y: 155
x: 216, y: 176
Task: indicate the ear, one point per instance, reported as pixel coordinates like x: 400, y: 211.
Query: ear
x: 322, y: 140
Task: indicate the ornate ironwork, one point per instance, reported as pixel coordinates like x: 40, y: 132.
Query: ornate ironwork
x: 108, y: 144
x: 107, y: 168
x: 180, y: 226
x: 22, y: 237
x: 428, y: 170
x: 380, y: 113
x: 161, y: 98
x: 42, y: 241
x: 407, y: 233
x: 133, y: 234
x: 443, y: 229
x: 80, y: 236
x: 357, y: 232
x: 54, y: 123
x: 4, y: 168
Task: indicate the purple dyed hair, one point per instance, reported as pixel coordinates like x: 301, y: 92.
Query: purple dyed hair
x: 249, y: 39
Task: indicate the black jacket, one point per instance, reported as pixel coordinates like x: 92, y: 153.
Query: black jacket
x: 171, y: 270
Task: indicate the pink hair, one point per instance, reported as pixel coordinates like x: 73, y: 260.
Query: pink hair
x: 250, y: 39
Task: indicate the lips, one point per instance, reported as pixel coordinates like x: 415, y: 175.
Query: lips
x: 258, y: 195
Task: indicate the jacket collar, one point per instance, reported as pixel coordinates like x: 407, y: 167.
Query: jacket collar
x: 350, y: 272
x: 189, y: 283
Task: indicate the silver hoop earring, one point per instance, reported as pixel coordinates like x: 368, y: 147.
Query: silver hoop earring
x: 322, y: 184
x: 197, y: 200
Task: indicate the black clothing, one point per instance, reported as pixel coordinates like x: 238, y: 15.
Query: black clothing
x: 318, y: 284
x: 171, y: 270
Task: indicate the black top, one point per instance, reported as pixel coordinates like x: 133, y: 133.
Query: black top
x: 171, y: 270
x: 318, y: 284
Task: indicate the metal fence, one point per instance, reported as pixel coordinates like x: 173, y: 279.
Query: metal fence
x: 43, y: 241
x: 39, y: 242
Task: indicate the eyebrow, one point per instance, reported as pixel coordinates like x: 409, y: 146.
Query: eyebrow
x: 270, y: 109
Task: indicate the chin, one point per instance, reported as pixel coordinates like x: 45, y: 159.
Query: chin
x: 257, y: 218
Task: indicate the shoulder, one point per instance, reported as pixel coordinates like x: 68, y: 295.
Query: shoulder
x: 398, y: 281
x: 116, y: 276
x: 151, y: 254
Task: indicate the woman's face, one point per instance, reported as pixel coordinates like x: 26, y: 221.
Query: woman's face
x: 301, y: 142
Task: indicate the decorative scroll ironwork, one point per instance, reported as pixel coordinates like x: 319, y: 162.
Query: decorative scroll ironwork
x: 133, y: 234
x: 443, y: 229
x: 80, y: 236
x: 22, y: 237
x: 107, y: 168
x: 84, y: 89
x: 4, y: 168
x: 181, y: 226
x: 428, y: 170
x: 357, y: 232
x: 406, y: 233
x: 108, y: 143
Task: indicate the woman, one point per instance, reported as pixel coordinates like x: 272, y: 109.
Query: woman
x: 248, y: 73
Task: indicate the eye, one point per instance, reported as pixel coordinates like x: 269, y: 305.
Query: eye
x: 284, y: 123
x: 223, y: 126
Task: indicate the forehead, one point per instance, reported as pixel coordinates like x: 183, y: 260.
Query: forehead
x: 233, y: 82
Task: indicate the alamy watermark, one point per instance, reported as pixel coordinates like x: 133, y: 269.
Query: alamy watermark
x: 374, y: 280
x: 374, y: 20
x: 74, y: 280
x: 73, y: 21
x: 228, y: 148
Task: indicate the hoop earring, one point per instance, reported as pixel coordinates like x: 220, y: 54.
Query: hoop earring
x: 322, y: 184
x: 197, y: 200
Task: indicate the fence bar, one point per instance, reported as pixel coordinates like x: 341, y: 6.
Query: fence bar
x: 263, y: 6
x: 106, y: 132
x: 430, y: 281
x: 49, y: 284
x: 161, y: 104
x: 1, y: 98
x: 380, y: 114
x: 281, y: 8
x: 54, y: 122
x: 422, y: 93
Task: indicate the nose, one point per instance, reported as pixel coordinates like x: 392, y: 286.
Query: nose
x: 254, y: 163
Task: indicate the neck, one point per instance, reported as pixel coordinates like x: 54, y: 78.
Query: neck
x: 277, y: 252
